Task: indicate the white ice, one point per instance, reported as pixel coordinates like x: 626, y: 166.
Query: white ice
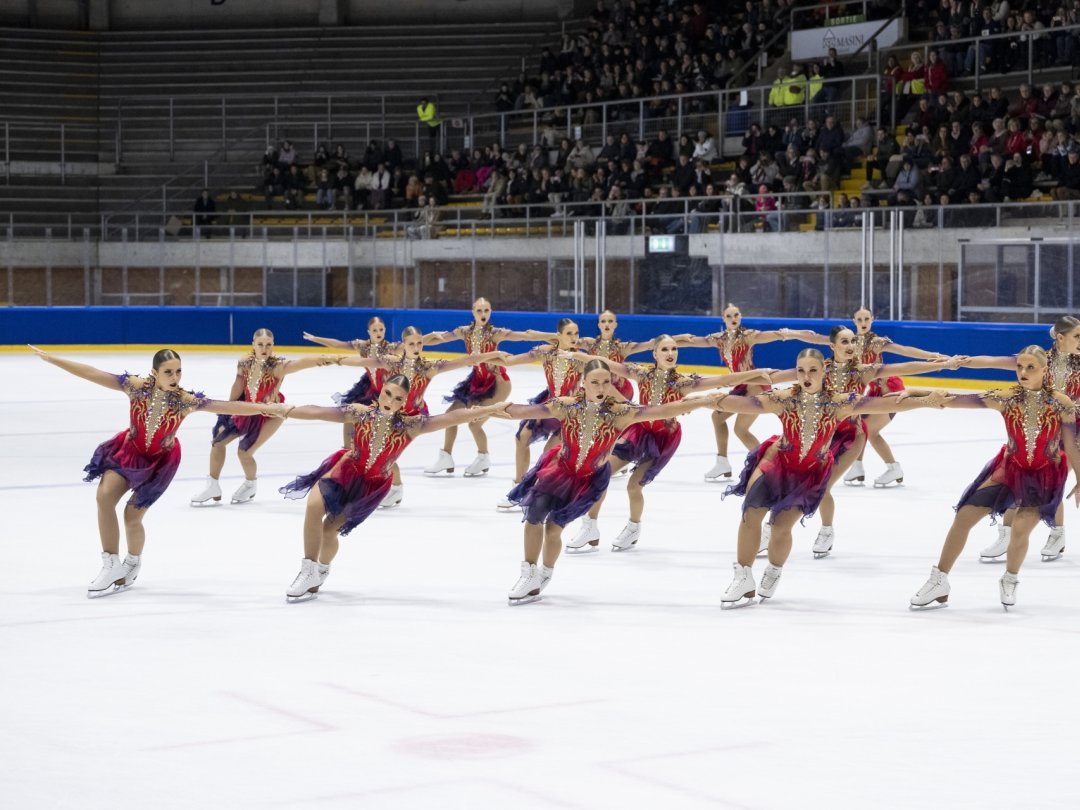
x: 410, y: 683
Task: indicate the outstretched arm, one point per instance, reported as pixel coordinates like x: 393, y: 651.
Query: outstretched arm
x: 470, y: 360
x: 292, y: 366
x: 788, y: 375
x: 761, y: 376
x: 805, y: 335
x: 920, y: 367
x: 541, y: 411
x: 94, y: 375
x: 438, y: 338
x: 687, y: 341
x: 244, y: 408
x: 460, y: 416
x: 754, y: 405
x: 866, y: 405
x: 617, y: 368
x: 528, y: 334
x: 1006, y: 363
x: 911, y: 351
x: 330, y: 343
x: 321, y: 413
x: 637, y: 346
x: 670, y: 410
x: 531, y: 356
x: 363, y: 362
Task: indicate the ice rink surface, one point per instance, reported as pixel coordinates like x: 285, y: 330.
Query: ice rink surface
x: 409, y: 682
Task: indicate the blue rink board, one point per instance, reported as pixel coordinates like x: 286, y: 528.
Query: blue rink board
x: 165, y: 326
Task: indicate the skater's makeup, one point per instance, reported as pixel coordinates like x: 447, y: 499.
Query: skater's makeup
x: 843, y: 342
x: 395, y: 392
x: 666, y: 352
x: 1066, y: 334
x: 608, y: 321
x: 864, y: 319
x: 376, y: 329
x: 481, y: 310
x: 732, y: 316
x: 810, y: 370
x: 568, y: 334
x: 262, y: 343
x: 412, y: 341
x: 1031, y: 368
x: 167, y: 375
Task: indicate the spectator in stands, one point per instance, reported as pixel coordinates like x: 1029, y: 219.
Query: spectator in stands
x: 380, y: 186
x: 1017, y: 184
x: 325, y: 190
x: 751, y: 142
x: 610, y: 150
x: 269, y: 161
x: 991, y: 187
x: 428, y: 114
x: 979, y: 53
x: 294, y: 187
x: 1025, y: 105
x: 967, y: 178
x: 204, y: 214
x: 706, y: 210
x: 1065, y: 45
x: 859, y: 142
x: 503, y: 100
x: 287, y: 156
x: 424, y: 219
x: 581, y: 156
x: 821, y: 207
x: 683, y: 177
x: 704, y: 147
x: 362, y: 187
x: 885, y: 147
x: 338, y: 159
x: 766, y: 208
x: 830, y: 137
x: 777, y: 97
x: 343, y: 188
x: 937, y: 75
x: 890, y: 87
x: 660, y: 154
x: 793, y: 206
x: 273, y: 186
x: 1068, y: 177
x: 765, y: 172
x: 617, y: 212
x: 392, y: 155
x: 234, y: 218
x: 322, y: 156
x: 907, y: 185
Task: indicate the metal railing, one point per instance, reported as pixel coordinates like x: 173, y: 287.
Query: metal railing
x: 28, y: 145
x: 830, y: 18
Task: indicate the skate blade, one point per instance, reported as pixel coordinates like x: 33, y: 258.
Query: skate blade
x: 821, y: 555
x: 855, y: 482
x: 762, y: 552
x: 743, y: 601
x: 235, y: 502
x: 588, y: 548
x: 630, y: 547
x: 206, y: 504
x: 112, y: 589
x: 524, y: 600
x: 393, y: 505
x: 718, y: 479
x: 447, y: 473
x: 937, y: 604
x: 991, y: 560
x: 511, y: 508
x: 1052, y: 557
x: 307, y: 597
x: 895, y: 483
x: 480, y: 474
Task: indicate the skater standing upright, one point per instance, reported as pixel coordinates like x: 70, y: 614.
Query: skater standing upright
x: 143, y: 458
x: 258, y: 379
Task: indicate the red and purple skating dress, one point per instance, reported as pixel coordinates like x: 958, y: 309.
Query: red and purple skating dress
x: 737, y: 353
x: 795, y: 465
x: 1030, y: 469
x: 147, y: 454
x: 260, y: 385
x: 354, y: 482
x: 366, y: 390
x: 654, y: 442
x: 572, y: 476
x: 480, y: 384
x: 844, y: 378
x: 563, y: 378
x: 1063, y: 373
x: 418, y: 371
x: 612, y: 349
x: 870, y: 348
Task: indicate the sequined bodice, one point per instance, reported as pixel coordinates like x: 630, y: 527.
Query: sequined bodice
x: 611, y: 348
x: 1063, y: 373
x: 869, y: 347
x: 809, y: 421
x: 589, y: 432
x: 260, y: 384
x: 1033, y: 424
x: 562, y: 375
x: 417, y: 371
x: 156, y: 415
x: 480, y: 339
x: 735, y: 350
x: 842, y: 378
x: 379, y: 439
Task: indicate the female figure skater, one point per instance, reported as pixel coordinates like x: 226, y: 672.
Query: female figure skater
x: 563, y: 376
x: 736, y: 347
x: 345, y: 489
x: 486, y: 383
x: 258, y: 379
x: 419, y: 371
x: 846, y: 374
x: 144, y: 458
x: 366, y: 390
x: 870, y: 348
x: 1062, y: 375
x: 649, y: 446
x: 785, y: 478
x: 608, y: 346
x: 1027, y: 474
x: 572, y: 476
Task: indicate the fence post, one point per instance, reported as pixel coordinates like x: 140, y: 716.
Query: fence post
x: 63, y: 160
x: 172, y: 132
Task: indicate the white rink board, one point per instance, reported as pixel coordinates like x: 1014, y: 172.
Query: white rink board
x: 409, y: 683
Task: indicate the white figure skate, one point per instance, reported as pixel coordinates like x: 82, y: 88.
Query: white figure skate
x: 112, y: 578
x: 824, y: 542
x: 742, y: 589
x: 1007, y: 589
x: 855, y: 476
x: 210, y: 495
x: 479, y: 466
x: 934, y: 593
x: 393, y: 497
x: 769, y: 580
x: 444, y: 465
x: 894, y: 474
x: 721, y: 469
x: 995, y: 552
x: 307, y: 583
x: 246, y: 492
x: 527, y: 588
x: 586, y: 540
x: 1055, y: 545
x: 628, y: 537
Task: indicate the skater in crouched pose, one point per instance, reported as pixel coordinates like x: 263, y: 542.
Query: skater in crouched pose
x: 1062, y: 374
x: 258, y: 379
x: 786, y: 477
x: 649, y: 446
x: 419, y: 371
x: 347, y: 487
x: 1027, y: 474
x: 485, y: 384
x: 143, y: 459
x: 572, y: 476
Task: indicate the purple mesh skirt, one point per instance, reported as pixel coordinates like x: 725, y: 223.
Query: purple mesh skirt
x: 785, y: 482
x: 645, y: 442
x: 148, y: 476
x: 1004, y: 484
x: 345, y: 487
x: 478, y: 386
x: 247, y: 428
x: 553, y: 492
x: 363, y: 392
x: 542, y: 429
x: 846, y: 435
